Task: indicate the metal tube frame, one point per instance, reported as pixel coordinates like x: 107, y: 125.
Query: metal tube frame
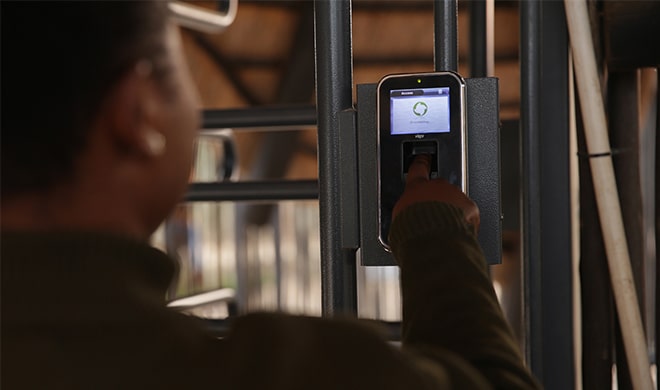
x: 481, y: 37
x: 478, y: 39
x: 445, y: 16
x: 254, y: 191
x: 543, y: 121
x: 530, y: 43
x: 546, y: 193
x: 260, y: 117
x: 334, y: 89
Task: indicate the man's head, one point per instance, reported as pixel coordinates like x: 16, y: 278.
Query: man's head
x: 95, y: 96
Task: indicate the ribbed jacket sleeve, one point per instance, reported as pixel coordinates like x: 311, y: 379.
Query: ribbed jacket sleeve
x: 450, y: 311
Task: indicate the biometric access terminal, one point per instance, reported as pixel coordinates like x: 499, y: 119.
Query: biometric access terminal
x: 419, y: 114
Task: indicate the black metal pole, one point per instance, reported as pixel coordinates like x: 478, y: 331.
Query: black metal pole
x: 546, y: 212
x: 555, y: 229
x: 254, y: 191
x: 530, y: 45
x: 478, y: 39
x: 334, y: 91
x: 445, y: 13
x: 270, y: 116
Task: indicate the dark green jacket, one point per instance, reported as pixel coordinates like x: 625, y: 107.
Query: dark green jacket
x: 87, y: 311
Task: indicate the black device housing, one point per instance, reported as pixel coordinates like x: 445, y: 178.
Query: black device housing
x: 360, y: 219
x: 396, y: 151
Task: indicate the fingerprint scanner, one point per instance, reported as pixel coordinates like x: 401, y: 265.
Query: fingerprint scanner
x: 413, y: 149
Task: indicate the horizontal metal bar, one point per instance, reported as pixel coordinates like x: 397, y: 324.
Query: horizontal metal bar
x: 253, y: 191
x: 274, y: 116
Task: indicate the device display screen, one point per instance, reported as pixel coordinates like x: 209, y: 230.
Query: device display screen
x: 419, y: 111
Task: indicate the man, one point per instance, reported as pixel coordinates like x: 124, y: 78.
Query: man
x: 98, y: 120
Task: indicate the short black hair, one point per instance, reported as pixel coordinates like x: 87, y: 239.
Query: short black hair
x: 59, y: 60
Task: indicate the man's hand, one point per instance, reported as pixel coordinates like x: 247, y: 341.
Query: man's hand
x: 420, y: 189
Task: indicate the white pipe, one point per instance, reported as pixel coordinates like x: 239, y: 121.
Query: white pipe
x: 607, y: 198
x: 203, y: 19
x: 575, y: 226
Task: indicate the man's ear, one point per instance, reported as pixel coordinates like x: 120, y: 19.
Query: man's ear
x: 131, y: 114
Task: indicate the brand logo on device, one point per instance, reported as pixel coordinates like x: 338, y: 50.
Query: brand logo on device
x: 420, y: 109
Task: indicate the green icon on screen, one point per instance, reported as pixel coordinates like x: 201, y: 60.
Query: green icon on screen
x: 420, y: 109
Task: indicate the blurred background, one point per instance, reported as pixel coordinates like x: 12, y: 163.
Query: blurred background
x: 267, y: 256
x: 238, y: 257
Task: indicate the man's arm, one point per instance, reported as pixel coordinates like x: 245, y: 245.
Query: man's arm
x: 450, y: 310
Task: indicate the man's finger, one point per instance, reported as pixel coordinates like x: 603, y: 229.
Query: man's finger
x: 419, y: 169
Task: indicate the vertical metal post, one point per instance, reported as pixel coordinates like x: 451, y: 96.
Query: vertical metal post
x: 445, y: 13
x: 481, y: 37
x: 556, y: 252
x: 530, y: 72
x: 478, y: 38
x: 334, y: 91
x: 546, y: 192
